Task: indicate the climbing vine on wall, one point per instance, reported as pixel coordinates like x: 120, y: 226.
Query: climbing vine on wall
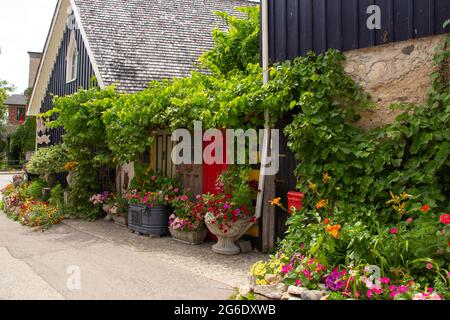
x: 411, y: 154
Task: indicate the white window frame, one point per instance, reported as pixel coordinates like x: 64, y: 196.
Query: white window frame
x: 72, y: 53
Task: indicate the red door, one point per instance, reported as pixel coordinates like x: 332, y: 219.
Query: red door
x: 210, y: 174
x: 212, y: 171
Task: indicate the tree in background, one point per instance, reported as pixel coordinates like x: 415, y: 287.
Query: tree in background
x: 23, y: 139
x: 5, y: 89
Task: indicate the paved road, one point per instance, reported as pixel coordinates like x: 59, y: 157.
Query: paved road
x: 69, y: 262
x: 5, y: 179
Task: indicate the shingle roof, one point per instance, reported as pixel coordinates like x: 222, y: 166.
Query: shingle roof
x: 136, y: 41
x: 16, y: 100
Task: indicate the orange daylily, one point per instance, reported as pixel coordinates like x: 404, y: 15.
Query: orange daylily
x: 275, y: 202
x: 333, y: 230
x: 322, y: 204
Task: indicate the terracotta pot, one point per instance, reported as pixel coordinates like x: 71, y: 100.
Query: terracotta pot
x: 225, y: 241
x: 193, y: 238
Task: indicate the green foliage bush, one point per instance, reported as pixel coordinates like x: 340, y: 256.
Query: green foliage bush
x: 57, y: 196
x: 411, y: 154
x: 48, y: 160
x: 24, y: 138
x: 35, y: 189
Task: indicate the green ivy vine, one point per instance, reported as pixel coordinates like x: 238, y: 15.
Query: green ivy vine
x: 411, y: 154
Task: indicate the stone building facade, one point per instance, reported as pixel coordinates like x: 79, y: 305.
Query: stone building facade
x: 394, y: 73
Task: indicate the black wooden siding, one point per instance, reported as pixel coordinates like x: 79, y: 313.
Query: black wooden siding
x: 57, y: 85
x: 299, y: 26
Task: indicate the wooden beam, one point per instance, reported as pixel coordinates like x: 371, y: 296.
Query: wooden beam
x: 268, y: 216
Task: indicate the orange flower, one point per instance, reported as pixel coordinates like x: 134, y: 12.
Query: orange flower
x: 275, y: 202
x: 322, y: 204
x: 326, y: 221
x: 425, y: 208
x: 333, y: 230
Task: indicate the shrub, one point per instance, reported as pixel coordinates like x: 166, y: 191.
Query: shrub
x: 48, y: 160
x: 57, y: 196
x: 35, y: 189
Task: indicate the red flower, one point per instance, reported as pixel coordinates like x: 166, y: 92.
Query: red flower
x: 393, y: 231
x: 445, y: 218
x: 327, y: 221
x: 425, y: 208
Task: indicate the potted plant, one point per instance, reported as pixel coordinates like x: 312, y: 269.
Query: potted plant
x: 149, y: 203
x: 70, y: 167
x: 104, y: 200
x: 47, y: 162
x: 228, y: 212
x: 186, y: 224
x: 226, y: 220
x: 119, y: 211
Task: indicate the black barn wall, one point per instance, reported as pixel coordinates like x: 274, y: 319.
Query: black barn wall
x: 299, y: 26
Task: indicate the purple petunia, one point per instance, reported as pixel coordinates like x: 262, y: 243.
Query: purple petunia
x: 334, y: 280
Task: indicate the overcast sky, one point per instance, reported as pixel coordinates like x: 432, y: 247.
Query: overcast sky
x: 24, y: 25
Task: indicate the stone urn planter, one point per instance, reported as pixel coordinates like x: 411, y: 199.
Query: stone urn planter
x: 50, y: 178
x: 149, y: 220
x: 106, y: 208
x: 226, y: 241
x: 69, y: 177
x: 189, y: 237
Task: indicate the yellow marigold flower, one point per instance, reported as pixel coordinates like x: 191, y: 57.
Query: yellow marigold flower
x: 326, y: 177
x: 322, y: 204
x: 333, y: 230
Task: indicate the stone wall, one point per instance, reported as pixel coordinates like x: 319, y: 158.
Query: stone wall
x: 393, y: 73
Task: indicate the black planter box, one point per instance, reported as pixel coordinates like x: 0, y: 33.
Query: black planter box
x: 149, y: 220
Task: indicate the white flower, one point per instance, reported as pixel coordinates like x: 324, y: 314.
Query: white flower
x: 369, y: 284
x: 435, y: 296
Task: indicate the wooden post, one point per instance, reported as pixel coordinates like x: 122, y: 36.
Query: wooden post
x: 268, y: 216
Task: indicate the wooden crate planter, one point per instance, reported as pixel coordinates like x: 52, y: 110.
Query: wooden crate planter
x: 149, y: 220
x: 192, y: 238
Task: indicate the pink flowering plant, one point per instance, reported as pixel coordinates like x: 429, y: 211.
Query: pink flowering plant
x: 101, y: 198
x: 304, y: 271
x: 187, y: 215
x: 153, y: 189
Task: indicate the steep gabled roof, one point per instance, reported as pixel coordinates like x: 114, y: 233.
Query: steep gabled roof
x: 136, y: 41
x: 16, y: 100
x: 132, y: 42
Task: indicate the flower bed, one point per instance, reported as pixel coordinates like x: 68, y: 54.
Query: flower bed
x: 23, y: 202
x: 400, y: 251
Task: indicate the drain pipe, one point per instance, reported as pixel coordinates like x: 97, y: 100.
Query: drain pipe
x: 266, y: 139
